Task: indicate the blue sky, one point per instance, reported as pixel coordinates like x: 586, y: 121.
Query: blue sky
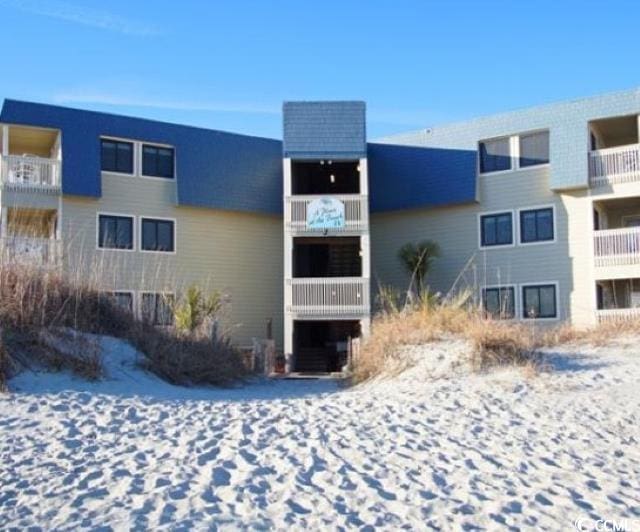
x: 229, y: 65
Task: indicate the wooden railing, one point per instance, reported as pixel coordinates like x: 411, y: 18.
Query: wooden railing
x: 356, y: 213
x: 617, y: 315
x: 328, y: 296
x: 614, y: 165
x: 30, y: 173
x: 617, y: 247
x: 31, y: 251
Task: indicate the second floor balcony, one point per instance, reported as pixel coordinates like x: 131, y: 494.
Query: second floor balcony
x: 616, y: 236
x: 328, y: 296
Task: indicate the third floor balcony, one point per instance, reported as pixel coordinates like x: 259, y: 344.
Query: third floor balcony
x: 615, y: 151
x: 30, y: 159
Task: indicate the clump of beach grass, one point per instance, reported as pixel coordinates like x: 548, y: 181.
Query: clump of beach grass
x: 44, y: 315
x: 416, y: 319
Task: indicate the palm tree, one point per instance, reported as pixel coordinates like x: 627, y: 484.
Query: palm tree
x: 417, y: 260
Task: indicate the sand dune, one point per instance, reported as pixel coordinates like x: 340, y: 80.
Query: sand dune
x: 428, y: 448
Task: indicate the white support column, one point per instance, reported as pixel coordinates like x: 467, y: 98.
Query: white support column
x: 3, y: 222
x: 288, y: 269
x: 365, y: 242
x: 364, y: 177
x: 365, y: 250
x: 4, y: 152
x: 365, y: 327
x: 288, y: 342
x: 5, y: 140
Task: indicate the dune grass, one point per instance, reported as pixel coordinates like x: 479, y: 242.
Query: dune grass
x: 491, y: 342
x: 40, y: 312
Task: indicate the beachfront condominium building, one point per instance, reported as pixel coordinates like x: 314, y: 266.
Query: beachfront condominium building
x: 536, y: 212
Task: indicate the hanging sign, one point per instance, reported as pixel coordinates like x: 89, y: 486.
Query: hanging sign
x: 325, y: 213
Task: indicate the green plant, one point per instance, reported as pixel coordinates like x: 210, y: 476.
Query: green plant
x: 388, y: 299
x: 417, y: 260
x: 195, y: 309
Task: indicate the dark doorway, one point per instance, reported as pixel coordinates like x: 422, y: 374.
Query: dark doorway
x: 321, y: 346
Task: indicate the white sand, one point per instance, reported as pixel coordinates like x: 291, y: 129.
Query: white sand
x: 416, y: 451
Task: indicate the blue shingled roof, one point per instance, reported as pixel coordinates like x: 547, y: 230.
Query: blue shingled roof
x: 329, y: 130
x: 214, y: 169
x: 221, y: 170
x: 406, y: 177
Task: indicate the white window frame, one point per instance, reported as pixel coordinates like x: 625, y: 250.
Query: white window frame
x: 513, y: 229
x: 155, y: 177
x: 137, y: 159
x: 516, y: 307
x: 522, y: 286
x: 134, y: 173
x: 511, y: 148
x: 514, y: 152
x: 517, y: 152
x: 555, y: 225
x: 160, y: 219
x: 164, y: 293
x: 133, y: 231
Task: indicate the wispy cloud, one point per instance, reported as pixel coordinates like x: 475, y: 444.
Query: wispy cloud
x: 136, y: 98
x: 83, y: 15
x: 80, y: 96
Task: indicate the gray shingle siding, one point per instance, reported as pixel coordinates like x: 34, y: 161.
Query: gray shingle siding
x: 567, y: 123
x: 331, y: 130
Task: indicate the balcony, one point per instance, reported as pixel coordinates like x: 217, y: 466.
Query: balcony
x: 328, y: 296
x: 28, y: 251
x: 303, y: 217
x: 30, y: 173
x: 617, y: 315
x: 612, y: 166
x: 617, y: 247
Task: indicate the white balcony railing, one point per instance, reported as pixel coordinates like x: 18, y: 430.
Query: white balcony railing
x: 614, y: 165
x: 328, y: 296
x: 30, y: 173
x: 614, y: 315
x: 31, y: 251
x: 617, y: 247
x: 356, y: 213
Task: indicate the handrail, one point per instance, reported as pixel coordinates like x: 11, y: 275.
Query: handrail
x: 30, y: 172
x: 610, y: 166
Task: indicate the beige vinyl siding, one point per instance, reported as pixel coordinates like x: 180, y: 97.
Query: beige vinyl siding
x: 456, y: 230
x: 237, y: 253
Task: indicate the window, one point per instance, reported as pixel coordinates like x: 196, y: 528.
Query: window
x: 495, y: 155
x: 124, y: 300
x: 158, y: 308
x: 157, y: 161
x: 499, y: 303
x: 157, y: 235
x: 496, y: 229
x: 115, y: 232
x: 539, y: 301
x: 116, y: 156
x: 534, y: 149
x: 536, y: 225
